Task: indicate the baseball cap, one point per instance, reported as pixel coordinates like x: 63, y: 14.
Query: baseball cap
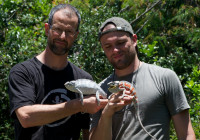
x: 120, y: 23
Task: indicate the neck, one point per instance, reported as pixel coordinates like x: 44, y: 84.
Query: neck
x: 131, y: 68
x: 48, y: 58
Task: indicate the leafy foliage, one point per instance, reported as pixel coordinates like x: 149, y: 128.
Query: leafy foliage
x: 193, y: 87
x: 168, y: 35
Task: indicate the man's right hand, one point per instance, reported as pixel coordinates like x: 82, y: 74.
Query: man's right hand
x: 116, y: 103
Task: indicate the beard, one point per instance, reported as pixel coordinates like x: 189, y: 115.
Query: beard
x: 123, y: 63
x: 58, y: 50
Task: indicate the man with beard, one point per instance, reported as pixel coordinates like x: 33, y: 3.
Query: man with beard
x: 160, y: 96
x: 42, y: 108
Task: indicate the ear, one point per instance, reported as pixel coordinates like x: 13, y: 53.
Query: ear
x: 47, y: 27
x: 134, y: 38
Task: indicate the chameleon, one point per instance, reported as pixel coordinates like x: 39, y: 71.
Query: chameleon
x: 117, y: 86
x: 85, y: 87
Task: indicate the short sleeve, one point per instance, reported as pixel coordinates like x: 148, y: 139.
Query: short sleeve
x: 174, y: 95
x: 21, y: 89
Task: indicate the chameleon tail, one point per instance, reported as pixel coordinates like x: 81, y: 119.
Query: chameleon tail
x: 138, y: 117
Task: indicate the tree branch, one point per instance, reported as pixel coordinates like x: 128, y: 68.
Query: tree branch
x: 141, y: 27
x: 147, y: 10
x: 124, y: 9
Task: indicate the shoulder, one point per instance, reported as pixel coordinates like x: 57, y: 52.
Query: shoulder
x: 160, y: 74
x: 80, y: 73
x: 28, y: 68
x: 23, y: 66
x: 154, y: 68
x: 158, y: 70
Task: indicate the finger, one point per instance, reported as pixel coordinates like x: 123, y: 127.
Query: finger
x: 116, y: 106
x: 128, y: 97
x: 114, y: 95
x: 101, y: 97
x: 115, y: 99
x: 127, y: 92
x: 103, y: 102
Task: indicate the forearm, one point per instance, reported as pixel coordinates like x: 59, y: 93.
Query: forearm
x: 36, y: 115
x: 190, y: 137
x: 103, y: 131
x: 183, y: 126
x: 187, y: 134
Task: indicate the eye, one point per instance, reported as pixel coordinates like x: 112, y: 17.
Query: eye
x: 107, y: 46
x: 58, y: 30
x: 68, y: 31
x: 121, y: 42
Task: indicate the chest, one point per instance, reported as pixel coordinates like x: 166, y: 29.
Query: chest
x: 49, y: 86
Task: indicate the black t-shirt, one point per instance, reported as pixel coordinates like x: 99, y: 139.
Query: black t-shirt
x: 31, y: 82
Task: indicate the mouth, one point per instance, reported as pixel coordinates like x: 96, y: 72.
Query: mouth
x: 63, y: 43
x: 117, y: 56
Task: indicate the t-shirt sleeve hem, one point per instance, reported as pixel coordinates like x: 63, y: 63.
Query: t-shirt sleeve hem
x: 180, y: 110
x: 12, y: 112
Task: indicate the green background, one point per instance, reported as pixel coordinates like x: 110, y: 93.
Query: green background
x: 168, y: 35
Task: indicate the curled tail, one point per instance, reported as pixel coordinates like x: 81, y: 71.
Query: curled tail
x: 138, y: 117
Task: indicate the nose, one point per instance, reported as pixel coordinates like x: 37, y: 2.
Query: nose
x: 63, y: 35
x: 116, y: 49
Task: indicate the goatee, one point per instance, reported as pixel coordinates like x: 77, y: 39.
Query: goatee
x: 59, y: 50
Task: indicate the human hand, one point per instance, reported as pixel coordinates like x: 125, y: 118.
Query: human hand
x: 117, y: 102
x: 91, y: 105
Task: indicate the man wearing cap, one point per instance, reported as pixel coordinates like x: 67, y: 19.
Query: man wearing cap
x: 159, y: 92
